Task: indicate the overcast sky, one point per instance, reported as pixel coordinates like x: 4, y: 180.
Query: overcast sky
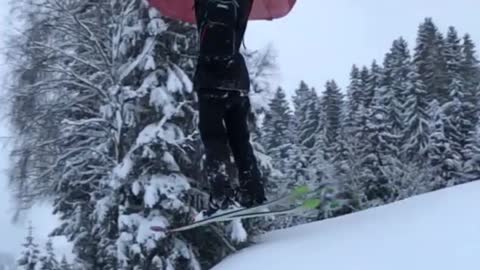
x: 318, y: 41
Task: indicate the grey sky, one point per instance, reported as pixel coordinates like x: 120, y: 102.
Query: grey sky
x: 318, y: 41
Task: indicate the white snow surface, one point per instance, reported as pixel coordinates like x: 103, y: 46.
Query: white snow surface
x: 438, y: 230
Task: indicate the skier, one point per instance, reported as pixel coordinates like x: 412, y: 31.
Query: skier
x: 222, y: 85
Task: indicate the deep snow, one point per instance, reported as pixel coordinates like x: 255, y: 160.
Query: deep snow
x: 438, y: 230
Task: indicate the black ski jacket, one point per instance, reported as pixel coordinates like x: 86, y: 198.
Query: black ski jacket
x: 236, y: 77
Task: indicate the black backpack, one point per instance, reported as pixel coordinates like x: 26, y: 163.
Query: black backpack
x: 218, y: 30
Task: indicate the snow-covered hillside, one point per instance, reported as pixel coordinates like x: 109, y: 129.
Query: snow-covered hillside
x: 439, y: 230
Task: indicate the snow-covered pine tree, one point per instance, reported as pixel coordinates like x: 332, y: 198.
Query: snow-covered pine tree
x: 472, y: 165
x: 354, y: 104
x: 353, y: 188
x: 278, y: 141
x: 460, y: 109
x: 371, y: 79
x: 379, y: 162
x: 430, y: 62
x: 408, y: 127
x: 332, y: 110
x: 370, y: 82
x: 330, y: 161
x: 307, y: 115
x: 307, y: 126
x: 443, y: 160
x: 30, y: 254
x: 470, y: 70
x: 352, y: 128
x: 64, y: 264
x: 454, y: 111
x: 48, y: 261
x: 397, y: 68
x: 417, y: 121
x: 158, y: 127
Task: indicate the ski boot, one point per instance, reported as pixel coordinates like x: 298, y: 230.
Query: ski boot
x: 218, y: 205
x: 250, y: 194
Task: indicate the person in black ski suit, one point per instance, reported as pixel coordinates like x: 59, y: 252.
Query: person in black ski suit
x: 222, y: 85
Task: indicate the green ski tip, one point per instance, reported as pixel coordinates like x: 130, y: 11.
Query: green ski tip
x: 311, y: 203
x: 299, y: 191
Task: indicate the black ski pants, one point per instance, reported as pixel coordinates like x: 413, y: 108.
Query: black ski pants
x: 224, y: 129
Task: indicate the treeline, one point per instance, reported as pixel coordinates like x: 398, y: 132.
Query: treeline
x: 403, y: 127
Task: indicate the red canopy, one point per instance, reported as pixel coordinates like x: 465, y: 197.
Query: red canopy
x: 262, y: 9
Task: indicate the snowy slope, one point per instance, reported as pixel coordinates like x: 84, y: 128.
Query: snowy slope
x: 439, y: 230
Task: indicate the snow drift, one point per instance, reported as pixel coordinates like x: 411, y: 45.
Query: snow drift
x: 438, y: 230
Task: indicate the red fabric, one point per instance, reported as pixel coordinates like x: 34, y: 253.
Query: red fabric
x: 262, y: 9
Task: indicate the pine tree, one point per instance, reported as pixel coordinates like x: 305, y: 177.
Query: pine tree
x: 359, y: 176
x: 430, y: 62
x: 332, y: 149
x: 30, y: 254
x: 332, y: 109
x: 151, y: 181
x: 379, y: 162
x: 397, y: 69
x: 370, y: 81
x: 64, y: 265
x: 443, y: 159
x: 279, y: 142
x: 354, y: 103
x: 306, y: 105
x: 353, y: 123
x: 278, y: 138
x: 441, y: 81
x: 453, y: 114
x: 406, y: 102
x: 354, y: 109
x: 462, y: 100
x: 472, y: 164
x: 307, y: 125
x: 49, y: 260
x: 470, y: 70
x: 417, y: 121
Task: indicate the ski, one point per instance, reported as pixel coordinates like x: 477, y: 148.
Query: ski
x: 300, y: 193
x: 294, y: 195
x: 309, y: 204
